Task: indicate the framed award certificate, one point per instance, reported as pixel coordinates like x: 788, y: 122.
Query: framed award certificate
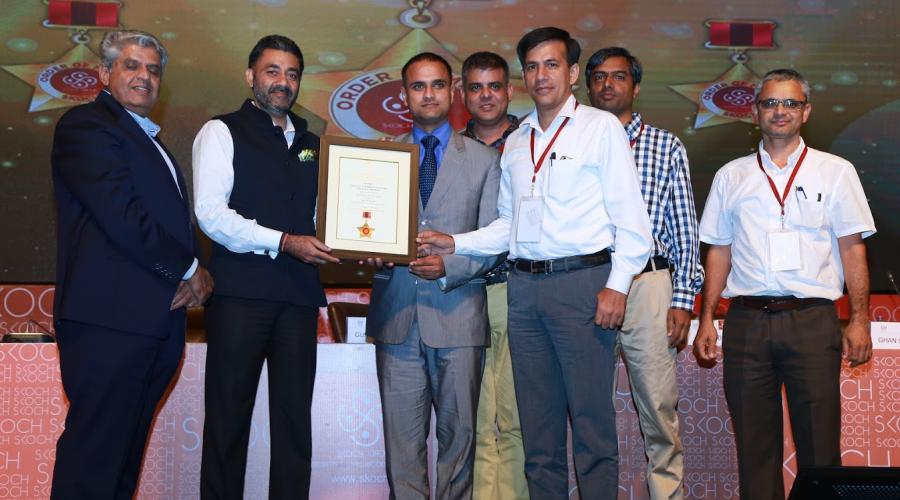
x: 368, y: 198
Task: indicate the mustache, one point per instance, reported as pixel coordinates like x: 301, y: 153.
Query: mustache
x: 281, y: 88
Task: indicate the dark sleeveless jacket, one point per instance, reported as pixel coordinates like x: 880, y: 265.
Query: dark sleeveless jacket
x: 272, y: 186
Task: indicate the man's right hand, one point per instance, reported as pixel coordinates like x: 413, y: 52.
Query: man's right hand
x: 435, y: 243
x: 377, y: 263
x: 194, y: 291
x: 201, y: 286
x: 308, y: 249
x: 705, y: 343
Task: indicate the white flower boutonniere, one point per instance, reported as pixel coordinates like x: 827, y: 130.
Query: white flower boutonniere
x: 307, y: 155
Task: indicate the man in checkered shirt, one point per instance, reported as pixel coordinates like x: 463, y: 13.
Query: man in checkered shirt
x: 658, y: 311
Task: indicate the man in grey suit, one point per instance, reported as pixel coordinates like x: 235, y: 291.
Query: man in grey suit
x: 429, y: 320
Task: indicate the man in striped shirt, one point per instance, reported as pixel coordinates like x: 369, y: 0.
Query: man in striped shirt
x: 658, y: 311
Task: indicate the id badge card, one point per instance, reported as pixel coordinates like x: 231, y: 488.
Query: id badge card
x: 784, y: 251
x: 531, y: 216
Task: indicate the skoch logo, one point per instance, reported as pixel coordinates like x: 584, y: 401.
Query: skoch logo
x: 369, y: 106
x: 730, y: 99
x: 362, y: 418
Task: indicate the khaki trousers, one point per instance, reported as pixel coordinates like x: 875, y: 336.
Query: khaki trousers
x: 499, y: 455
x: 654, y: 389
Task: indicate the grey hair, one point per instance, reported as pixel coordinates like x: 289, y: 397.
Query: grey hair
x: 114, y: 41
x: 782, y: 75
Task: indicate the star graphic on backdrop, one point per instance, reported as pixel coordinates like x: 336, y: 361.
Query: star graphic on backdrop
x: 70, y: 80
x: 726, y: 99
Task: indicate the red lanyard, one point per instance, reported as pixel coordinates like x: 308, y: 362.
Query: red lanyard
x: 783, y: 198
x: 634, y: 141
x: 540, y: 162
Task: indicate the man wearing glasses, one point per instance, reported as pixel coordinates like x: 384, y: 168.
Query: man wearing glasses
x: 785, y: 228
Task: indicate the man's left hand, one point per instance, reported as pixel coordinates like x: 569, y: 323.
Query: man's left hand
x: 610, y: 309
x: 678, y: 323
x: 430, y: 267
x: 857, y: 342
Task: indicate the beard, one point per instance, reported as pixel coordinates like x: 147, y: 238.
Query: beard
x: 263, y: 99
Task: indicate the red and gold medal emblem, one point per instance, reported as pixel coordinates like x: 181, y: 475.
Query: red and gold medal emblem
x: 729, y: 98
x: 365, y: 230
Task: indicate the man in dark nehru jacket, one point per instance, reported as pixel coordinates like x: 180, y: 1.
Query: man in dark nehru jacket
x: 255, y: 181
x: 126, y: 269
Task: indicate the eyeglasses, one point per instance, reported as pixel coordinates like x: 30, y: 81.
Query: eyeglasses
x: 787, y: 103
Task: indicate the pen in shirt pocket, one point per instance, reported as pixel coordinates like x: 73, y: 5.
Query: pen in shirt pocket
x: 799, y: 190
x: 552, y: 157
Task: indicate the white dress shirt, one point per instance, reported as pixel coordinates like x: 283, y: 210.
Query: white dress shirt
x: 213, y: 156
x: 151, y: 129
x: 825, y: 202
x: 590, y: 192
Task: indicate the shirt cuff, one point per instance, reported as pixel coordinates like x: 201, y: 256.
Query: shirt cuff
x: 462, y: 244
x: 619, y: 281
x: 191, y: 270
x: 268, y: 238
x: 683, y: 299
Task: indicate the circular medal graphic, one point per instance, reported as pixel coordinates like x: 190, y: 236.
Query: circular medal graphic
x: 79, y: 82
x: 369, y: 106
x: 730, y: 99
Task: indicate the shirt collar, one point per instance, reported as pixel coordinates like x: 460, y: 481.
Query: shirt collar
x: 513, y: 125
x: 633, y: 128
x: 567, y: 111
x: 792, y: 159
x: 289, y: 125
x: 442, y: 133
x: 147, y: 125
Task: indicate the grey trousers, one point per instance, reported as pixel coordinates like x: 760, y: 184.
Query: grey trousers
x: 413, y: 377
x: 563, y: 365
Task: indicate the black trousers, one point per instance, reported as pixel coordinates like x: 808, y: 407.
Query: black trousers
x: 801, y: 351
x: 114, y: 381
x: 241, y: 334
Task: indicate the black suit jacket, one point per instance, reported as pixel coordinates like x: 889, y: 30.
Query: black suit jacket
x: 125, y: 232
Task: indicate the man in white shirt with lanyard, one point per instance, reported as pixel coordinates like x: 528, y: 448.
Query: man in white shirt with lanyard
x: 569, y: 195
x: 782, y: 241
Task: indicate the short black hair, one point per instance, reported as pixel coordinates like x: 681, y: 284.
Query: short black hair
x: 599, y: 57
x: 426, y: 56
x: 485, y: 61
x: 538, y: 36
x: 277, y: 42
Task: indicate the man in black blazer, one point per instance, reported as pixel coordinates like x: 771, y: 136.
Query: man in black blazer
x: 126, y: 269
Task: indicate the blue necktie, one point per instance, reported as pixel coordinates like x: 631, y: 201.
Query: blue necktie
x: 428, y: 168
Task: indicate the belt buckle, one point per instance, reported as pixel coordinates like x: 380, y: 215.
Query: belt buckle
x: 772, y: 305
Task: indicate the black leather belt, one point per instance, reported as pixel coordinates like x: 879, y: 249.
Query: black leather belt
x: 495, y: 278
x: 498, y: 274
x: 660, y: 262
x: 562, y: 264
x: 776, y: 304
